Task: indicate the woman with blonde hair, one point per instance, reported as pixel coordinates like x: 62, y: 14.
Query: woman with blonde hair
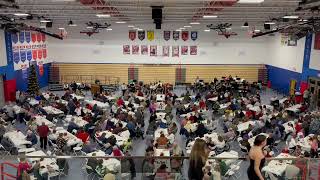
x: 198, y: 157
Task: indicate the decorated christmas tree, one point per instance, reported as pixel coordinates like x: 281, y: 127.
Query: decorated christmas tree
x: 33, y: 86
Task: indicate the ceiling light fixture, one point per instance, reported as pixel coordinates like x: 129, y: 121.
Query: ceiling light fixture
x: 207, y: 30
x: 187, y: 26
x: 271, y: 23
x: 182, y: 28
x: 245, y: 25
x: 121, y: 22
x: 194, y: 23
x: 178, y: 30
x: 257, y: 30
x: 209, y: 16
x: 290, y: 17
x: 250, y: 1
x: 140, y: 29
x: 89, y: 27
x: 61, y: 28
x: 109, y: 29
x: 45, y: 21
x: 21, y: 14
x: 130, y: 26
x: 103, y: 15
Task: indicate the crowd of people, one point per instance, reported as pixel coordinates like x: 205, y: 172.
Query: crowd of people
x: 212, y: 118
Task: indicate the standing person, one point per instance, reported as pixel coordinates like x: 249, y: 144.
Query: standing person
x: 257, y: 158
x: 198, y: 158
x: 43, y: 132
x: 306, y: 95
x: 123, y: 88
x: 2, y: 131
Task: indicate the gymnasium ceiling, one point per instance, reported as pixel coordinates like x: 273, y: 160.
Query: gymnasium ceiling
x: 138, y: 12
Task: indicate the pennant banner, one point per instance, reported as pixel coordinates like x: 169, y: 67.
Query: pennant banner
x: 165, y: 51
x: 193, y: 50
x: 34, y: 37
x: 175, y: 35
x: 28, y: 36
x: 23, y: 56
x: 44, y: 53
x: 43, y: 38
x: 144, y: 50
x: 40, y: 69
x: 14, y: 38
x: 184, y: 50
x: 135, y: 49
x: 16, y: 56
x: 132, y: 35
x: 194, y: 35
x: 175, y: 51
x: 39, y: 53
x: 39, y: 37
x: 21, y: 37
x: 141, y: 35
x: 126, y: 49
x: 153, y: 50
x: 166, y: 35
x: 29, y: 55
x: 185, y: 35
x: 150, y: 35
x: 317, y: 41
x: 25, y: 73
x: 34, y: 54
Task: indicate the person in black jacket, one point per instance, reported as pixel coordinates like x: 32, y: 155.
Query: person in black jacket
x: 201, y: 130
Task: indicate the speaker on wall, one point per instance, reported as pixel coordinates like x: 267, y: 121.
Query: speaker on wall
x: 49, y: 24
x: 267, y: 26
x: 156, y: 13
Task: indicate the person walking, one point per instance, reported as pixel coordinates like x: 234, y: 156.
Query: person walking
x: 43, y: 132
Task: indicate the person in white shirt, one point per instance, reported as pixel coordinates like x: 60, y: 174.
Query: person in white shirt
x: 123, y: 88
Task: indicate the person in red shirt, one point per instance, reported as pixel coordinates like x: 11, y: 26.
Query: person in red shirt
x: 23, y: 167
x: 298, y: 127
x: 202, y: 104
x: 43, y: 132
x: 120, y: 102
x: 84, y: 136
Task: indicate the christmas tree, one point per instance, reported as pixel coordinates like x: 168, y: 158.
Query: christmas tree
x: 33, y: 86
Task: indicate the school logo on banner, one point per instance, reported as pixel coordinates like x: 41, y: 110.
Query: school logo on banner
x: 175, y: 35
x: 132, y: 35
x: 141, y: 35
x: 33, y: 37
x: 184, y: 35
x: 166, y: 35
x: 29, y: 55
x: 194, y: 35
x: 14, y: 38
x: 23, y: 55
x: 28, y: 36
x: 21, y: 37
x: 150, y: 35
x: 39, y: 37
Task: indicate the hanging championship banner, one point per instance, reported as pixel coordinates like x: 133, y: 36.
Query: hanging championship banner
x: 44, y: 53
x: 184, y: 35
x: 132, y: 35
x: 317, y: 41
x: 150, y: 35
x: 34, y: 54
x: 126, y: 49
x: 40, y: 53
x: 33, y: 37
x: 29, y: 55
x: 194, y: 35
x: 184, y: 50
x: 193, y: 50
x: 43, y: 37
x: 166, y: 35
x: 24, y: 73
x: 165, y: 51
x: 21, y: 37
x: 14, y: 38
x: 39, y: 37
x: 16, y: 56
x: 153, y: 50
x: 144, y: 50
x: 135, y: 49
x: 141, y: 35
x: 23, y: 56
x: 175, y: 51
x: 40, y: 69
x: 28, y: 36
x: 175, y: 35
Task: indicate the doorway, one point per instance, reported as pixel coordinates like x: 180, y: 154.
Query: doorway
x: 314, y: 88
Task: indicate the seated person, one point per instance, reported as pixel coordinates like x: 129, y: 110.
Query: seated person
x: 72, y: 125
x: 201, y: 130
x: 162, y: 140
x: 61, y: 142
x: 220, y: 143
x: 84, y: 136
x: 100, y: 168
x: 89, y: 147
x: 31, y: 136
x: 118, y: 129
x: 92, y: 163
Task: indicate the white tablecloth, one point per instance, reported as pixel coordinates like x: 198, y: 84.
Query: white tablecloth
x: 160, y: 115
x: 111, y: 164
x: 115, y: 121
x: 40, y: 119
x: 159, y: 162
x: 52, y: 110
x: 99, y: 104
x: 17, y: 109
x: 77, y: 120
x: 244, y: 126
x: 161, y: 97
x: 251, y: 140
x: 17, y: 139
x: 294, y: 108
x: 33, y: 102
x: 213, y: 99
x: 71, y: 139
x: 78, y: 97
x: 45, y: 163
x: 231, y: 154
x: 276, y: 167
x: 121, y: 139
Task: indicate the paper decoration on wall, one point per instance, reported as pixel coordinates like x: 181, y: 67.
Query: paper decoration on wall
x: 193, y: 50
x: 175, y: 51
x: 317, y: 41
x: 150, y: 35
x: 165, y: 51
x: 166, y: 35
x: 185, y: 35
x: 132, y: 35
x: 28, y: 46
x: 153, y: 50
x: 184, y: 50
x: 126, y: 49
x: 284, y: 39
x: 194, y: 35
x: 144, y: 50
x: 135, y: 49
x: 141, y: 35
x: 175, y: 35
